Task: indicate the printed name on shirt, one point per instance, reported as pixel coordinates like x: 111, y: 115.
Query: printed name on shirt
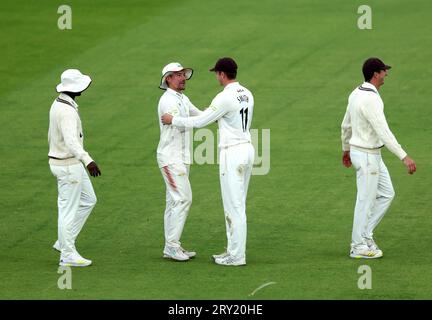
x: 243, y: 98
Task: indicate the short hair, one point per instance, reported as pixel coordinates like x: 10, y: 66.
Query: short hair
x: 166, y: 78
x: 372, y: 65
x: 230, y: 75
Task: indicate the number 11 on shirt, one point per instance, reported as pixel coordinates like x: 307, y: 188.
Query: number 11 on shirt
x: 244, y: 115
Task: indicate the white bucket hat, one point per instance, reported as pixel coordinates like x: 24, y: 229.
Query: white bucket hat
x: 72, y: 80
x: 169, y: 69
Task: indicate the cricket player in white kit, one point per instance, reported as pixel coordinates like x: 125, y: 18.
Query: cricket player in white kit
x: 76, y: 197
x: 364, y: 132
x: 233, y: 109
x: 173, y: 156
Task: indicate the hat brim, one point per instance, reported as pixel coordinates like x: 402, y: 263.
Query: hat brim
x: 387, y: 67
x: 79, y: 86
x: 163, y: 85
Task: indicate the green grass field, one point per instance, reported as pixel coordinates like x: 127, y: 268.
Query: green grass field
x: 301, y: 59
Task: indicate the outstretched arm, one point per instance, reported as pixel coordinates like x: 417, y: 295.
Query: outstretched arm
x: 208, y: 116
x: 194, y: 111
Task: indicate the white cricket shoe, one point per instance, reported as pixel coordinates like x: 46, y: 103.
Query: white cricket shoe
x: 229, y: 260
x: 190, y: 254
x: 218, y: 256
x: 74, y: 260
x: 56, y: 246
x: 175, y: 254
x: 365, y: 254
x: 373, y: 246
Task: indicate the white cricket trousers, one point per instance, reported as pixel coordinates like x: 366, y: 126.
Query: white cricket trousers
x: 374, y: 195
x: 235, y: 168
x: 76, y: 199
x: 178, y: 202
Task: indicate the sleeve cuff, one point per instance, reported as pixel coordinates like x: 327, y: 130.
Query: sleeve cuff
x: 174, y: 121
x: 178, y: 122
x: 86, y: 159
x: 345, y: 147
x: 402, y: 155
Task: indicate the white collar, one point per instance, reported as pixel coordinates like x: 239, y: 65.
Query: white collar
x: 369, y: 86
x: 68, y: 99
x: 173, y: 92
x: 232, y: 84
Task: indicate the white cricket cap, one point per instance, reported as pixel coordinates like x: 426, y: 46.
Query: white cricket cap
x: 169, y: 69
x: 72, y: 80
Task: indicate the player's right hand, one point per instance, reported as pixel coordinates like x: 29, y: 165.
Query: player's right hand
x: 166, y: 118
x: 346, y: 159
x: 93, y: 169
x: 410, y: 164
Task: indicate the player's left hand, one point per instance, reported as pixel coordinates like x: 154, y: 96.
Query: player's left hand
x: 346, y: 159
x: 93, y: 169
x: 166, y: 118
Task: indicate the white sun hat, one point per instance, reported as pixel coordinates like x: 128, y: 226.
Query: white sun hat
x: 169, y: 69
x: 72, y: 80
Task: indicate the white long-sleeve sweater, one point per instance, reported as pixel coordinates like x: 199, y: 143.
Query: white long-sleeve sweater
x: 364, y: 125
x: 65, y: 134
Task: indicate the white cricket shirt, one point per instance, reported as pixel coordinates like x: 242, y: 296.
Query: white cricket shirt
x: 364, y: 125
x: 174, y: 143
x: 232, y: 108
x: 65, y: 134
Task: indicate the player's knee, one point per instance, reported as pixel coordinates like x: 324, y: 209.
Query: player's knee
x: 187, y: 197
x: 391, y: 194
x: 92, y: 201
x: 187, y: 200
x: 183, y: 201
